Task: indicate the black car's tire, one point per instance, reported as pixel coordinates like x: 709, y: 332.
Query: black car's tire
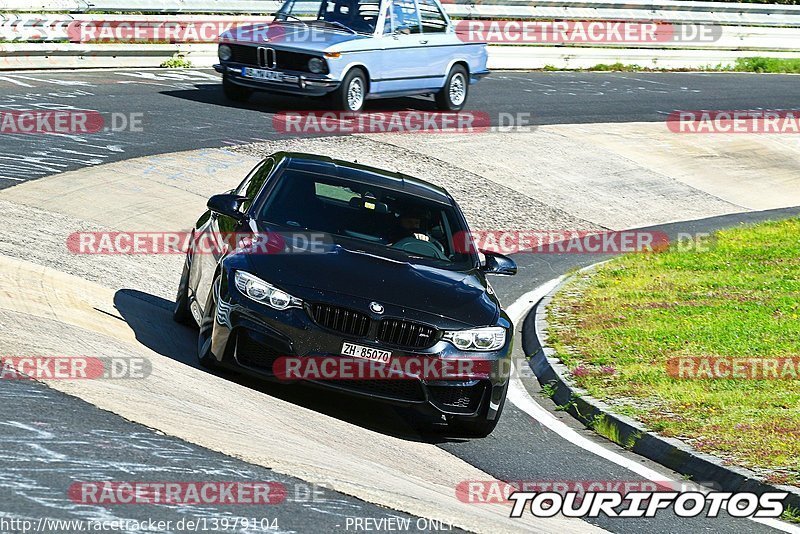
x: 474, y: 428
x: 204, y: 354
x: 352, y: 93
x: 181, y: 312
x: 235, y: 92
x: 453, y: 95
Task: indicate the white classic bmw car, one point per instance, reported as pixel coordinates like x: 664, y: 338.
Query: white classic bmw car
x: 353, y: 50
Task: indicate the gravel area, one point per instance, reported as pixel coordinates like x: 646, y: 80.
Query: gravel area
x: 486, y: 203
x: 46, y: 244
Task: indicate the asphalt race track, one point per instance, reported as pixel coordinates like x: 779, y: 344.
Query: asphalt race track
x: 50, y: 439
x: 184, y: 110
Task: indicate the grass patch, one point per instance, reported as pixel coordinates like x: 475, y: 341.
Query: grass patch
x: 791, y: 514
x: 767, y: 64
x: 757, y: 64
x: 616, y: 328
x: 177, y: 61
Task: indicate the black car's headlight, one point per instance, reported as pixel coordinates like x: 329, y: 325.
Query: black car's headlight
x: 258, y: 290
x: 316, y: 65
x: 482, y: 339
x: 224, y: 52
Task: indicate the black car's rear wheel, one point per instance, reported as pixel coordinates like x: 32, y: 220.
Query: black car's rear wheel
x: 453, y: 95
x: 235, y: 92
x: 181, y: 312
x: 204, y: 338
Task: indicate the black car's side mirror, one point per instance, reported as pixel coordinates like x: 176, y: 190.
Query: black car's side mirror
x: 497, y: 263
x: 228, y: 205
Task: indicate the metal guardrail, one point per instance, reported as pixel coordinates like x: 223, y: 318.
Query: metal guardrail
x: 54, y: 28
x: 677, y: 11
x: 742, y: 30
x: 72, y: 56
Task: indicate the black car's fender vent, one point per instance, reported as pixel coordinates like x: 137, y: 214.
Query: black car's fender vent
x: 348, y: 322
x: 406, y: 334
x: 251, y: 353
x: 457, y: 399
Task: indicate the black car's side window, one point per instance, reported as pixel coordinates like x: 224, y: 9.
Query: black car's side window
x: 253, y: 183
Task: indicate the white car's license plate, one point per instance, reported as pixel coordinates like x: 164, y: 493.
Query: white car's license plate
x: 261, y: 74
x: 366, y: 353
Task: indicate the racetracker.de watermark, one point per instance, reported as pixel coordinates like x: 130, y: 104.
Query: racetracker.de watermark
x: 156, y: 29
x: 73, y: 368
x: 172, y: 493
x: 215, y: 243
x: 497, y: 492
x: 337, y: 368
x: 736, y: 368
x: 759, y: 121
x: 68, y: 122
x: 583, y: 32
x: 561, y: 241
x: 343, y: 122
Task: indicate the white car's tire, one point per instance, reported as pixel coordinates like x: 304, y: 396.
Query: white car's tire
x: 453, y: 95
x: 351, y: 95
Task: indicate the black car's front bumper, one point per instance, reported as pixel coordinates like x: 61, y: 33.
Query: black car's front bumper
x: 250, y: 337
x: 294, y: 83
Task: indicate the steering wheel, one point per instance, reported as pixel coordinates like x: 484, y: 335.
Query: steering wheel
x: 418, y: 247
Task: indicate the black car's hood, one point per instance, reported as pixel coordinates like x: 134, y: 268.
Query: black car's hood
x: 397, y: 285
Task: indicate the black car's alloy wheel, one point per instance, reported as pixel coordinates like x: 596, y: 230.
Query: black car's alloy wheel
x: 204, y: 338
x: 453, y: 95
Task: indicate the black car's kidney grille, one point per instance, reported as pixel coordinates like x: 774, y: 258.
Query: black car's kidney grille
x: 406, y: 333
x: 284, y: 60
x: 458, y: 399
x: 348, y: 322
x: 404, y: 390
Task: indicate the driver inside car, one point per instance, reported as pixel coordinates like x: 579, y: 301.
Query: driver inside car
x: 415, y: 226
x: 413, y: 223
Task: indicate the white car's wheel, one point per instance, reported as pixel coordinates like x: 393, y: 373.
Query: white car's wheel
x: 453, y: 95
x: 350, y: 96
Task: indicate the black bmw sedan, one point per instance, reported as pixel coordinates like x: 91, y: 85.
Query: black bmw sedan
x: 317, y: 261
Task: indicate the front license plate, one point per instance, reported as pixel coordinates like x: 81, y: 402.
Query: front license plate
x: 366, y: 353
x: 262, y: 74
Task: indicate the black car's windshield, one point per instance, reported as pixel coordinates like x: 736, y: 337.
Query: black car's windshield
x: 357, y: 16
x: 385, y: 221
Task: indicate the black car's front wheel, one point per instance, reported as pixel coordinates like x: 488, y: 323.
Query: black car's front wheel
x: 204, y: 339
x: 352, y: 93
x: 181, y: 312
x: 453, y: 95
x: 235, y: 92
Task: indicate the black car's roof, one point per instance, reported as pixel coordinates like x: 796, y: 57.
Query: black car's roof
x: 364, y: 173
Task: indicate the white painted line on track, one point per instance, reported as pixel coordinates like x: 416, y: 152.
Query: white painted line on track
x: 17, y: 82
x: 519, y: 396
